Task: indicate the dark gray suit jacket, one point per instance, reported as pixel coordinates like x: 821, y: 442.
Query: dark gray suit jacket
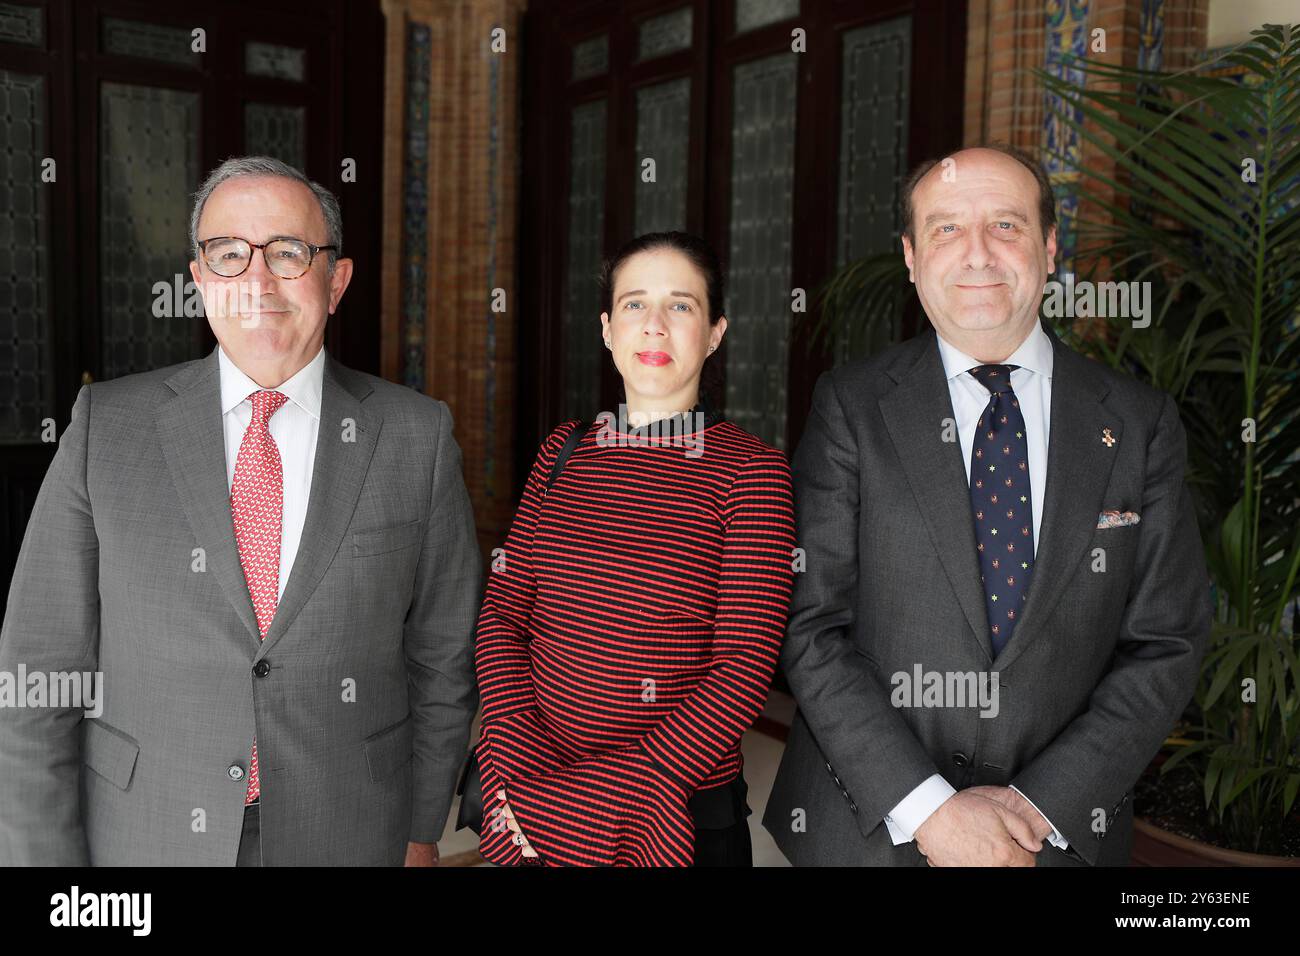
x: 1098, y: 669
x: 363, y: 708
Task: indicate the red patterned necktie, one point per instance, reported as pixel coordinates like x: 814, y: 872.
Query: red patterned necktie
x: 257, y: 505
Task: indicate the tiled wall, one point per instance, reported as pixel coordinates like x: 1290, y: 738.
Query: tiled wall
x: 1006, y: 39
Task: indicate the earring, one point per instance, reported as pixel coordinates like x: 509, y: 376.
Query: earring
x: 712, y: 347
x: 608, y: 346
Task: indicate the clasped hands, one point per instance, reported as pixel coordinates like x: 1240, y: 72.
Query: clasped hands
x: 983, y: 826
x: 520, y: 840
x: 979, y: 826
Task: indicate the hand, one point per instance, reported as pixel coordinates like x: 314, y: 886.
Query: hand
x: 421, y: 854
x: 969, y: 829
x: 513, y: 824
x: 1022, y: 808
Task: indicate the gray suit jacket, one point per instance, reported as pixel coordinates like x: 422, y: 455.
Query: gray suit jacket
x: 361, y: 695
x: 1098, y: 669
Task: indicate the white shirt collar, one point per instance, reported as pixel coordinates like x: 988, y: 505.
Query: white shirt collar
x: 303, y: 389
x: 1034, y: 355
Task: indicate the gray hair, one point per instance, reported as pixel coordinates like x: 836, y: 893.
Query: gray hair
x: 238, y: 166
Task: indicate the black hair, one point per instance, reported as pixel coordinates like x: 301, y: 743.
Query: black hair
x: 702, y: 256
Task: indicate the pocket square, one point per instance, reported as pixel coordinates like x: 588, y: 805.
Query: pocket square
x: 1117, y: 519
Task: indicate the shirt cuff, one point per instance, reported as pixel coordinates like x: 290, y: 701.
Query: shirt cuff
x: 914, y: 809
x: 1054, y: 837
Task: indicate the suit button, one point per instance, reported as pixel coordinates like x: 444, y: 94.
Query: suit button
x: 235, y: 772
x: 853, y: 806
x: 959, y: 759
x: 261, y: 668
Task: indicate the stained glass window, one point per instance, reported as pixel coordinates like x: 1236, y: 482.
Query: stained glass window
x: 20, y: 23
x: 145, y: 182
x: 582, y: 339
x: 873, y: 150
x: 149, y: 41
x: 762, y: 182
x: 663, y: 135
x: 591, y: 57
x: 666, y: 33
x: 277, y: 62
x: 279, y: 131
x: 25, y: 381
x: 752, y: 14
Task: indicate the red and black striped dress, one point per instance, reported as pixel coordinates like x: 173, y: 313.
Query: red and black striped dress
x: 627, y: 639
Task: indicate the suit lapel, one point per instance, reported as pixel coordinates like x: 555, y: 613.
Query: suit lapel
x: 1079, y: 464
x: 914, y: 413
x: 342, y: 459
x: 193, y: 443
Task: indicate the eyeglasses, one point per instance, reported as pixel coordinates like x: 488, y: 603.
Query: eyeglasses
x: 229, y: 256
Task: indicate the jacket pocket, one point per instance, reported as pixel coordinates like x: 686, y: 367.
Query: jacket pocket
x: 109, y: 752
x: 383, y: 540
x: 1119, y: 530
x: 1120, y: 539
x: 390, y: 749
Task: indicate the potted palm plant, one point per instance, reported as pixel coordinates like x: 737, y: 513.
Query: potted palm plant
x: 1200, y: 197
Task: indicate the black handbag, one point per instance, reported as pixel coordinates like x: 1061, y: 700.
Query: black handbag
x: 470, y: 791
x: 470, y: 787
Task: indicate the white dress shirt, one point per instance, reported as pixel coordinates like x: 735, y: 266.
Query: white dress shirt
x: 1032, y: 382
x: 293, y: 427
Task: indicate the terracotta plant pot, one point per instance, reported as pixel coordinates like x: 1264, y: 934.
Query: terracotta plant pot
x: 1153, y: 846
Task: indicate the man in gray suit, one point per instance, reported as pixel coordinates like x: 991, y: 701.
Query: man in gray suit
x: 272, y: 561
x: 966, y: 695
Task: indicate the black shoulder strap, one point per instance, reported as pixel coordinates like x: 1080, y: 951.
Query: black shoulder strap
x: 570, y: 443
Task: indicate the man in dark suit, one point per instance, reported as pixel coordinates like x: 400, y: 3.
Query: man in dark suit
x: 967, y: 695
x: 271, y: 560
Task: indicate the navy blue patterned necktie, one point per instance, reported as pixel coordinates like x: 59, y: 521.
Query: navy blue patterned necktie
x: 1001, y: 503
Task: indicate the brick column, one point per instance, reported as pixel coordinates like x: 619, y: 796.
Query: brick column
x: 1004, y: 40
x: 1186, y: 24
x: 1168, y: 40
x: 450, y: 215
x: 1004, y: 103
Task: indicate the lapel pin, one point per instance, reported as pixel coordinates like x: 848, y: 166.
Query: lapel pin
x: 1107, y: 437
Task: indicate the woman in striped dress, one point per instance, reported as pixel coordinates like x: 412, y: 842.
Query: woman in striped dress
x: 634, y: 618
